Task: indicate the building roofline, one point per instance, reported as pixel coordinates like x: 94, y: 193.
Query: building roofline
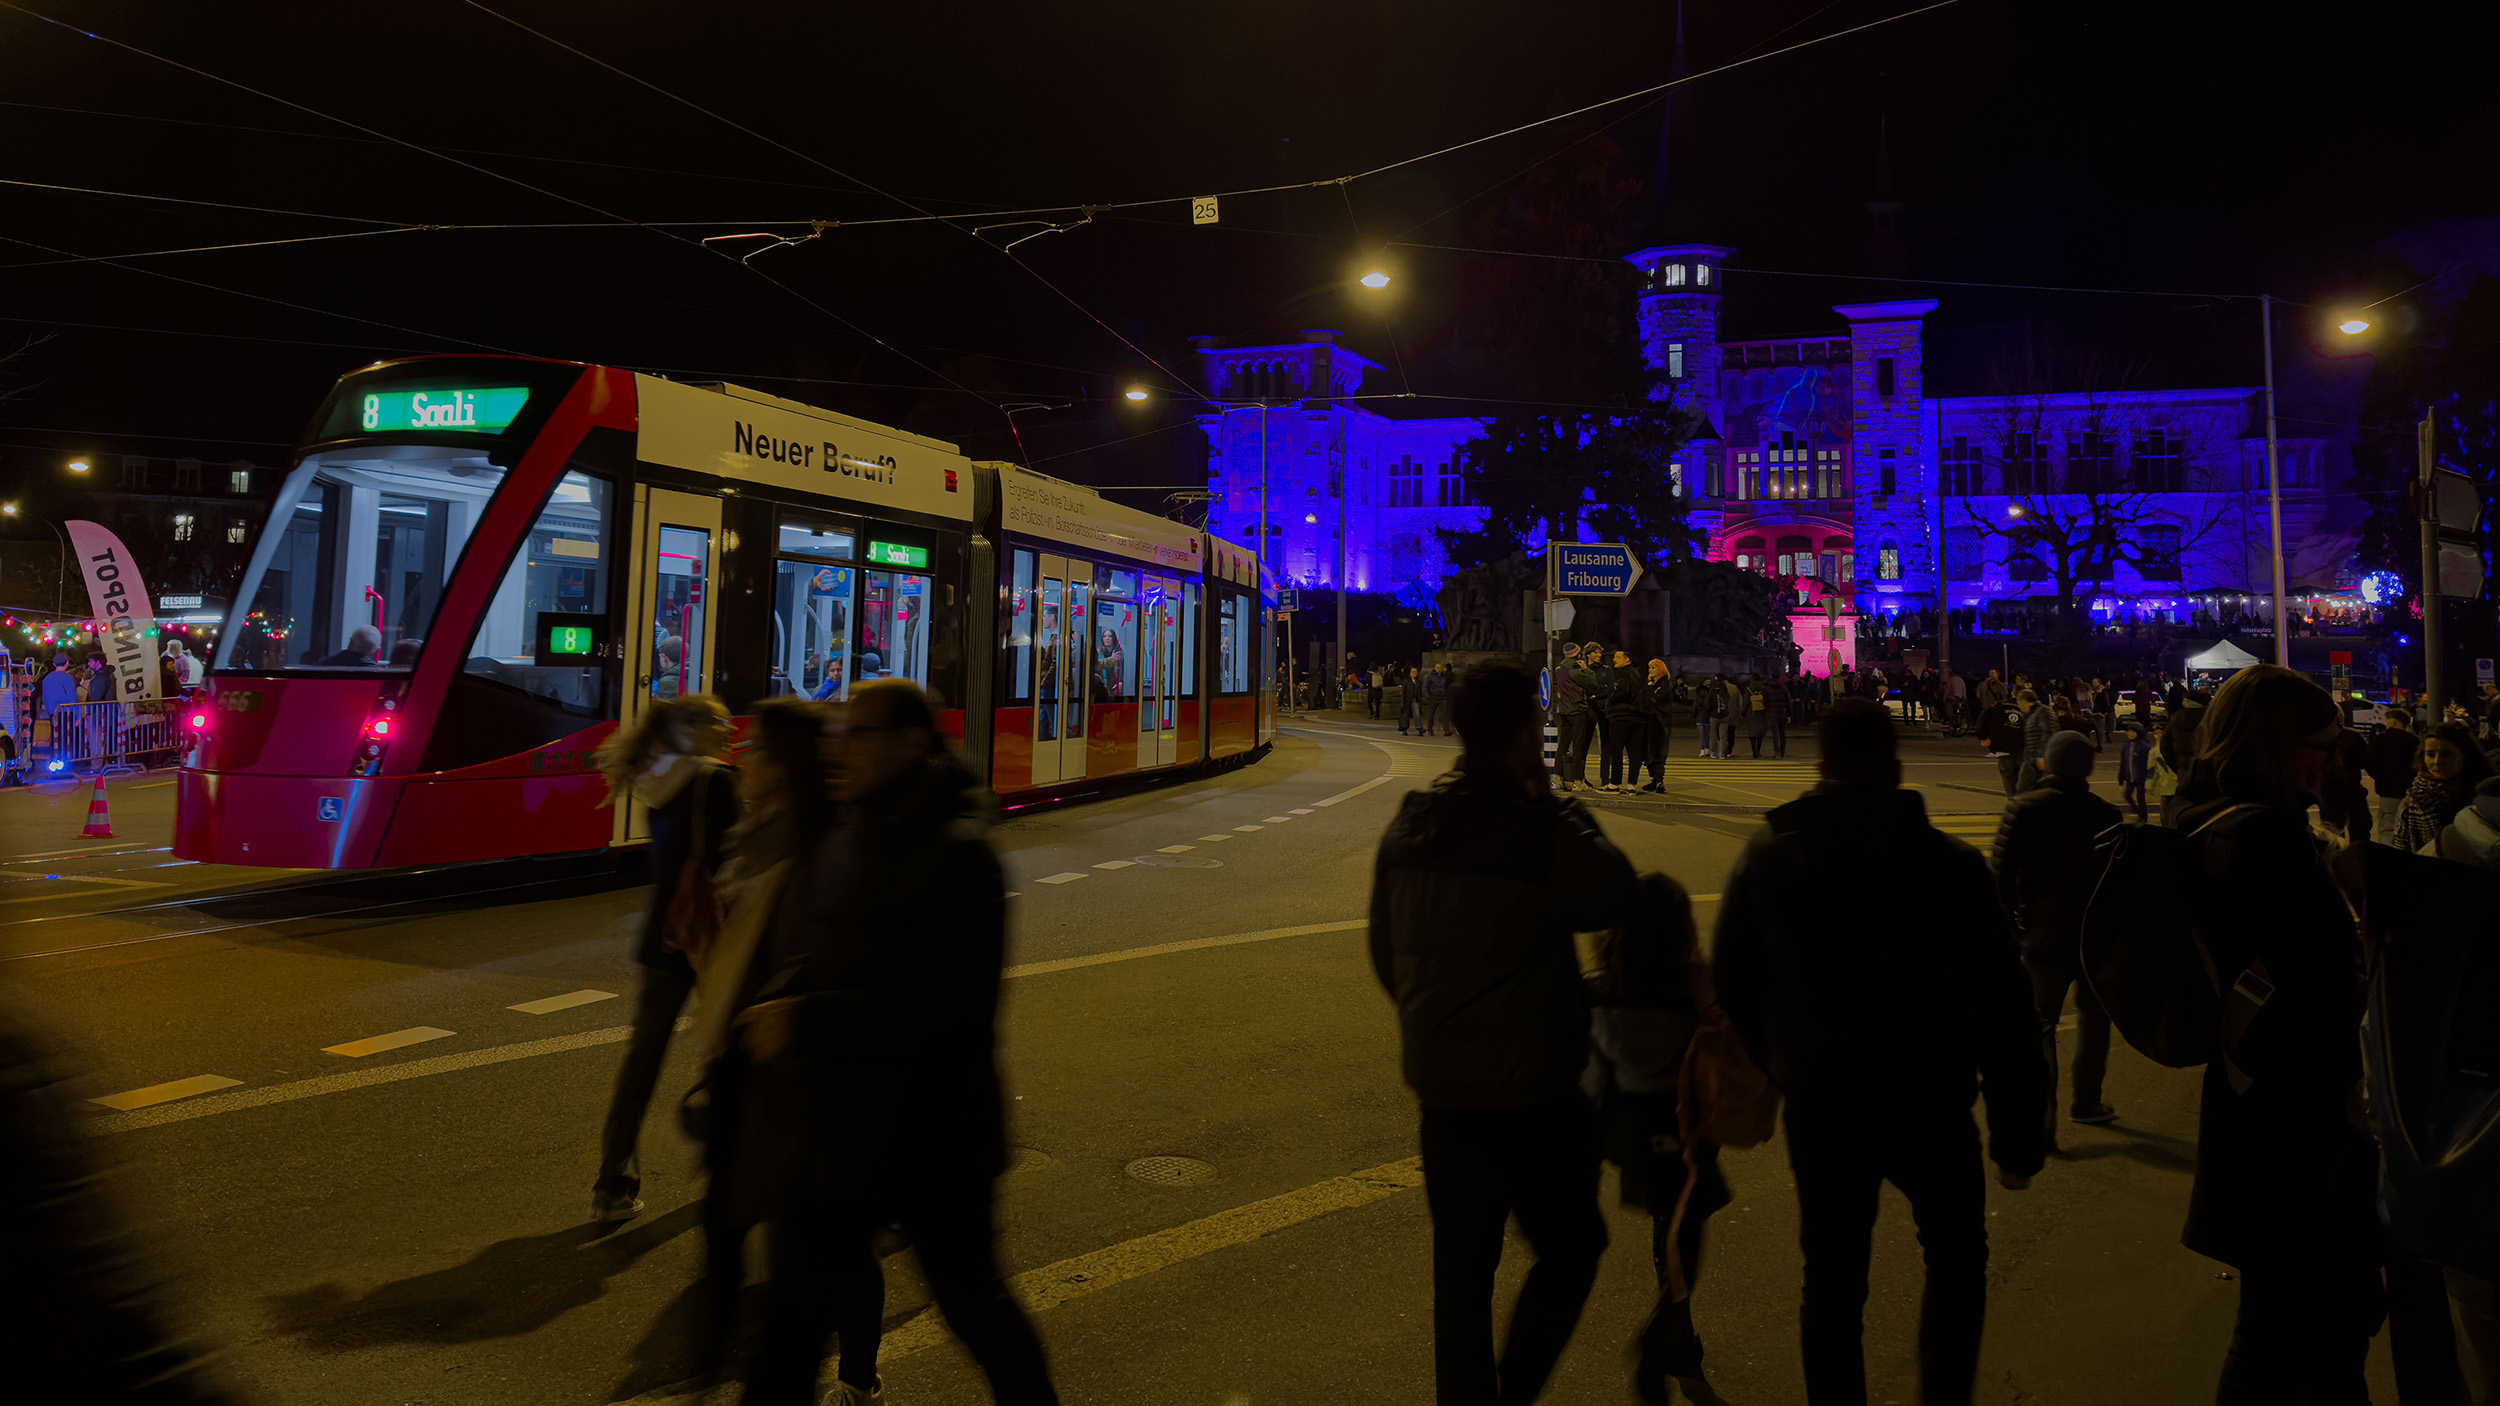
x: 1901, y: 310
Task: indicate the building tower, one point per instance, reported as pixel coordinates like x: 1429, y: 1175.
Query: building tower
x: 1679, y: 327
x: 1892, y: 466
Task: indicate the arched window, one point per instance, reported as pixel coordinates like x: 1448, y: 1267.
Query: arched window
x: 1888, y: 560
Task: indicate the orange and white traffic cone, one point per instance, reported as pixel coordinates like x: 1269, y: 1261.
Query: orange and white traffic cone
x: 99, y: 815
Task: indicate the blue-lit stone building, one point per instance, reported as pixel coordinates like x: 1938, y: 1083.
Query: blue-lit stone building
x: 1825, y: 459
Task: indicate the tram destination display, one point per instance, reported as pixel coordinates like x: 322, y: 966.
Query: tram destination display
x: 458, y: 409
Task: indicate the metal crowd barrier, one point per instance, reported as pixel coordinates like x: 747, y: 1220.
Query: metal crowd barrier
x: 91, y: 739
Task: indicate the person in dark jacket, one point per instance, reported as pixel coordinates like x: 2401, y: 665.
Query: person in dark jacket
x: 2001, y: 737
x: 2039, y: 725
x: 673, y: 762
x: 1645, y: 1016
x: 1775, y: 694
x: 2286, y: 1181
x: 1574, y: 721
x: 1705, y: 696
x: 1597, y: 682
x: 1881, y: 1032
x: 1625, y: 732
x: 89, y: 1312
x: 1436, y: 702
x: 1657, y: 722
x: 2390, y: 764
x: 2045, y: 870
x: 886, y: 962
x: 1479, y: 885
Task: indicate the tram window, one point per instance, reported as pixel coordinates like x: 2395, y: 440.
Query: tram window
x: 678, y: 593
x: 561, y: 568
x: 812, y: 606
x: 1020, y: 628
x: 1233, y: 630
x: 820, y: 541
x: 893, y: 627
x: 1189, y: 639
x: 362, y: 546
x: 1115, y: 646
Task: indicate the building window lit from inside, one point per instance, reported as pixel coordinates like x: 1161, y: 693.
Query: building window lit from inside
x: 235, y: 530
x: 1675, y: 361
x: 1701, y: 274
x: 1888, y: 561
x: 184, y: 524
x: 239, y: 480
x: 2158, y: 560
x: 1672, y: 275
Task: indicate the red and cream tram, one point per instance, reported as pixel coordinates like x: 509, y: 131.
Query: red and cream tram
x: 479, y: 565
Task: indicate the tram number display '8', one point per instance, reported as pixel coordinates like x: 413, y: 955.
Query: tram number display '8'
x: 484, y: 410
x: 564, y: 637
x: 897, y: 554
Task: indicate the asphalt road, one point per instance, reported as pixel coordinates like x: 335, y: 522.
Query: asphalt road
x: 362, y: 1129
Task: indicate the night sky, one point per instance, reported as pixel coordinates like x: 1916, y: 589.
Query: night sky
x: 2191, y: 147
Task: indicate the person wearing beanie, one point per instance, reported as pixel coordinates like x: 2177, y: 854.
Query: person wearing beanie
x: 2045, y: 868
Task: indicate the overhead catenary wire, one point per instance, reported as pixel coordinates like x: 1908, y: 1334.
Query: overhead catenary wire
x: 1852, y: 277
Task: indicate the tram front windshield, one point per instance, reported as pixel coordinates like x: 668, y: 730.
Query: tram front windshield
x: 360, y: 545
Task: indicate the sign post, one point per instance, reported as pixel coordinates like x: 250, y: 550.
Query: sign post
x: 1577, y: 569
x: 1286, y: 603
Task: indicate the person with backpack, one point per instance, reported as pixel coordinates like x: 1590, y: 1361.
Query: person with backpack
x: 2045, y: 870
x: 1881, y: 1033
x: 673, y: 761
x: 1571, y: 722
x: 1480, y: 882
x: 1755, y: 710
x: 2285, y: 1188
x: 2390, y: 764
x: 1648, y: 995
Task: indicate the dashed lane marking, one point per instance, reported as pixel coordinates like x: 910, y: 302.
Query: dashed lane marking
x: 237, y: 1100
x: 1214, y: 839
x: 86, y: 879
x: 59, y: 853
x: 1302, y: 810
x: 397, y: 1039
x: 1117, y: 864
x: 166, y: 1093
x: 1342, y: 796
x: 1278, y: 819
x: 1067, y: 878
x: 1176, y: 849
x: 549, y: 1005
x: 1194, y: 944
x: 1247, y: 829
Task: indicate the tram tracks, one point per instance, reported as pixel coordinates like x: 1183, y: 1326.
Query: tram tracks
x: 331, y: 898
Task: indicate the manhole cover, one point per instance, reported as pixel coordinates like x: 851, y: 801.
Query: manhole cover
x: 1176, y: 861
x: 1171, y: 1171
x: 1027, y: 1159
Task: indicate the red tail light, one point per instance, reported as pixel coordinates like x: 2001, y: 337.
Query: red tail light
x: 198, y: 722
x: 378, y: 730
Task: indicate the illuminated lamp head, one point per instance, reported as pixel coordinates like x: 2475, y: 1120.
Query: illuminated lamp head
x: 1374, y: 280
x: 2353, y: 326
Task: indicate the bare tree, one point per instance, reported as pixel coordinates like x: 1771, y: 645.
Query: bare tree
x: 2087, y: 481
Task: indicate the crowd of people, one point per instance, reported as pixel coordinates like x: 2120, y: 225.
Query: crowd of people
x: 1880, y: 1035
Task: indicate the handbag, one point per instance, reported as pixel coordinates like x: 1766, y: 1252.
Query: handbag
x: 694, y: 909
x: 1721, y: 1095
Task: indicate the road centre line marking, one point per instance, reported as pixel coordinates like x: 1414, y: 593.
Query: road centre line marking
x: 1040, y: 1290
x: 1067, y: 878
x: 165, y: 1093
x: 1247, y: 829
x: 1117, y: 864
x: 1213, y: 839
x: 1278, y: 819
x: 549, y: 1005
x: 1176, y: 849
x: 397, y: 1039
x: 267, y: 1094
x: 147, y: 786
x: 1350, y: 795
x: 88, y: 879
x: 59, y: 853
x: 1194, y: 944
x: 1302, y: 810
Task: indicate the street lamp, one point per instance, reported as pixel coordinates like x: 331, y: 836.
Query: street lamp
x: 2353, y: 326
x: 78, y: 466
x: 1137, y: 393
x: 1374, y: 280
x: 60, y: 590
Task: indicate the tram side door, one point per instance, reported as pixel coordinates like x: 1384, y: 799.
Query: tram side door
x: 671, y: 650
x: 1062, y: 658
x: 1158, y: 722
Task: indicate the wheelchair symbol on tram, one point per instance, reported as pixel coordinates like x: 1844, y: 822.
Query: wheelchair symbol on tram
x: 331, y: 807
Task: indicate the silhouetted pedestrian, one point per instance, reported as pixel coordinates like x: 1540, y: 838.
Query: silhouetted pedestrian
x: 2045, y: 869
x: 1479, y: 885
x: 1880, y: 1031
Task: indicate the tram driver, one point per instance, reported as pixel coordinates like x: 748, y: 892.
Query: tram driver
x: 363, y: 643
